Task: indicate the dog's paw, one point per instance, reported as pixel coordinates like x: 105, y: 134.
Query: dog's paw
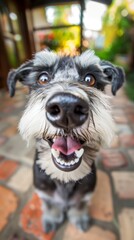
x: 50, y: 226
x: 80, y: 218
x: 83, y: 223
x: 52, y: 220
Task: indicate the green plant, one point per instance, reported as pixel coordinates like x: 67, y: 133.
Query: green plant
x: 129, y: 88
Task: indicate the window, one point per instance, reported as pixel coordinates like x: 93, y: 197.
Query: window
x: 57, y: 27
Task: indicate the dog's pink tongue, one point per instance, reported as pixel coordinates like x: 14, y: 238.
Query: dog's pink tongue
x: 66, y: 145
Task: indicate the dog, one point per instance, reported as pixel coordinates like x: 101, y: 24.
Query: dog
x: 69, y: 115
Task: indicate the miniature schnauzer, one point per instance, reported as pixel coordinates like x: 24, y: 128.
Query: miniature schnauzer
x: 69, y: 116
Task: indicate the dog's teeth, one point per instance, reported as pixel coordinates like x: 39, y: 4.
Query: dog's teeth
x: 61, y: 162
x: 72, y: 162
x: 76, y: 160
x: 79, y: 153
x: 58, y: 160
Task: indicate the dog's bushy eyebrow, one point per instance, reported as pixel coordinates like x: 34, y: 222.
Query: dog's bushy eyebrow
x: 43, y: 68
x: 45, y: 58
x: 87, y: 58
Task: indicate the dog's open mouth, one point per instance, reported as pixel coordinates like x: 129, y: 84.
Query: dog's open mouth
x: 66, y: 153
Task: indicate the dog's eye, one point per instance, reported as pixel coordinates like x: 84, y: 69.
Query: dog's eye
x: 90, y: 79
x: 43, y: 78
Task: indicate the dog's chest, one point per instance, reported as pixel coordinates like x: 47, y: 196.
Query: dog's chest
x: 62, y: 195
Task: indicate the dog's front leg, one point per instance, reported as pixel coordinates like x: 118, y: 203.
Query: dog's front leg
x: 52, y: 217
x: 79, y: 216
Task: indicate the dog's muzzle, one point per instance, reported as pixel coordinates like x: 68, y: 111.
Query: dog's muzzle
x: 66, y: 111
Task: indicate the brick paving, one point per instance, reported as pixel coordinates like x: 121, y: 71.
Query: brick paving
x: 7, y: 168
x: 8, y: 205
x: 112, y: 206
x: 94, y: 233
x: 30, y: 219
x: 101, y: 207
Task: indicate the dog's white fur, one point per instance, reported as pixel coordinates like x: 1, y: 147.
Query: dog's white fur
x: 45, y: 58
x: 86, y: 58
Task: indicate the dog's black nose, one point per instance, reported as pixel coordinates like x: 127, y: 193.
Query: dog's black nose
x: 66, y: 111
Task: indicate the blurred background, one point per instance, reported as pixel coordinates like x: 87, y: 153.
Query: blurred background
x: 67, y: 27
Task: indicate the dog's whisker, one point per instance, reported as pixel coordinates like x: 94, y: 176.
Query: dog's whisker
x: 92, y: 119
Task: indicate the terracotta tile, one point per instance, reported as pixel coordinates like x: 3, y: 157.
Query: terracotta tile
x: 124, y: 184
x: 129, y: 110
x: 131, y: 154
x: 94, y: 233
x: 120, y: 101
x: 131, y: 117
x: 30, y: 219
x: 126, y: 221
x: 121, y: 119
x: 3, y: 124
x: 19, y: 104
x: 12, y: 120
x: 2, y: 140
x: 119, y: 115
x: 113, y: 159
x: 7, y: 168
x: 9, y: 132
x: 127, y: 140
x: 118, y: 111
x: 1, y: 158
x: 8, y: 109
x: 8, y: 205
x: 102, y: 205
x: 115, y: 142
x: 22, y: 180
x: 124, y: 129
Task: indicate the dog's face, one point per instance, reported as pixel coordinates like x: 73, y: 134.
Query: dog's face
x: 67, y: 112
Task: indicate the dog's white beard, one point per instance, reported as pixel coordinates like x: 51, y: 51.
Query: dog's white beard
x: 46, y: 163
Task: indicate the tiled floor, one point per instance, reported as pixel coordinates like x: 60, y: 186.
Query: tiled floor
x: 112, y: 207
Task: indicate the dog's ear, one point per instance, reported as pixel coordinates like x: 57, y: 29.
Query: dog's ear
x: 114, y: 75
x: 19, y: 74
